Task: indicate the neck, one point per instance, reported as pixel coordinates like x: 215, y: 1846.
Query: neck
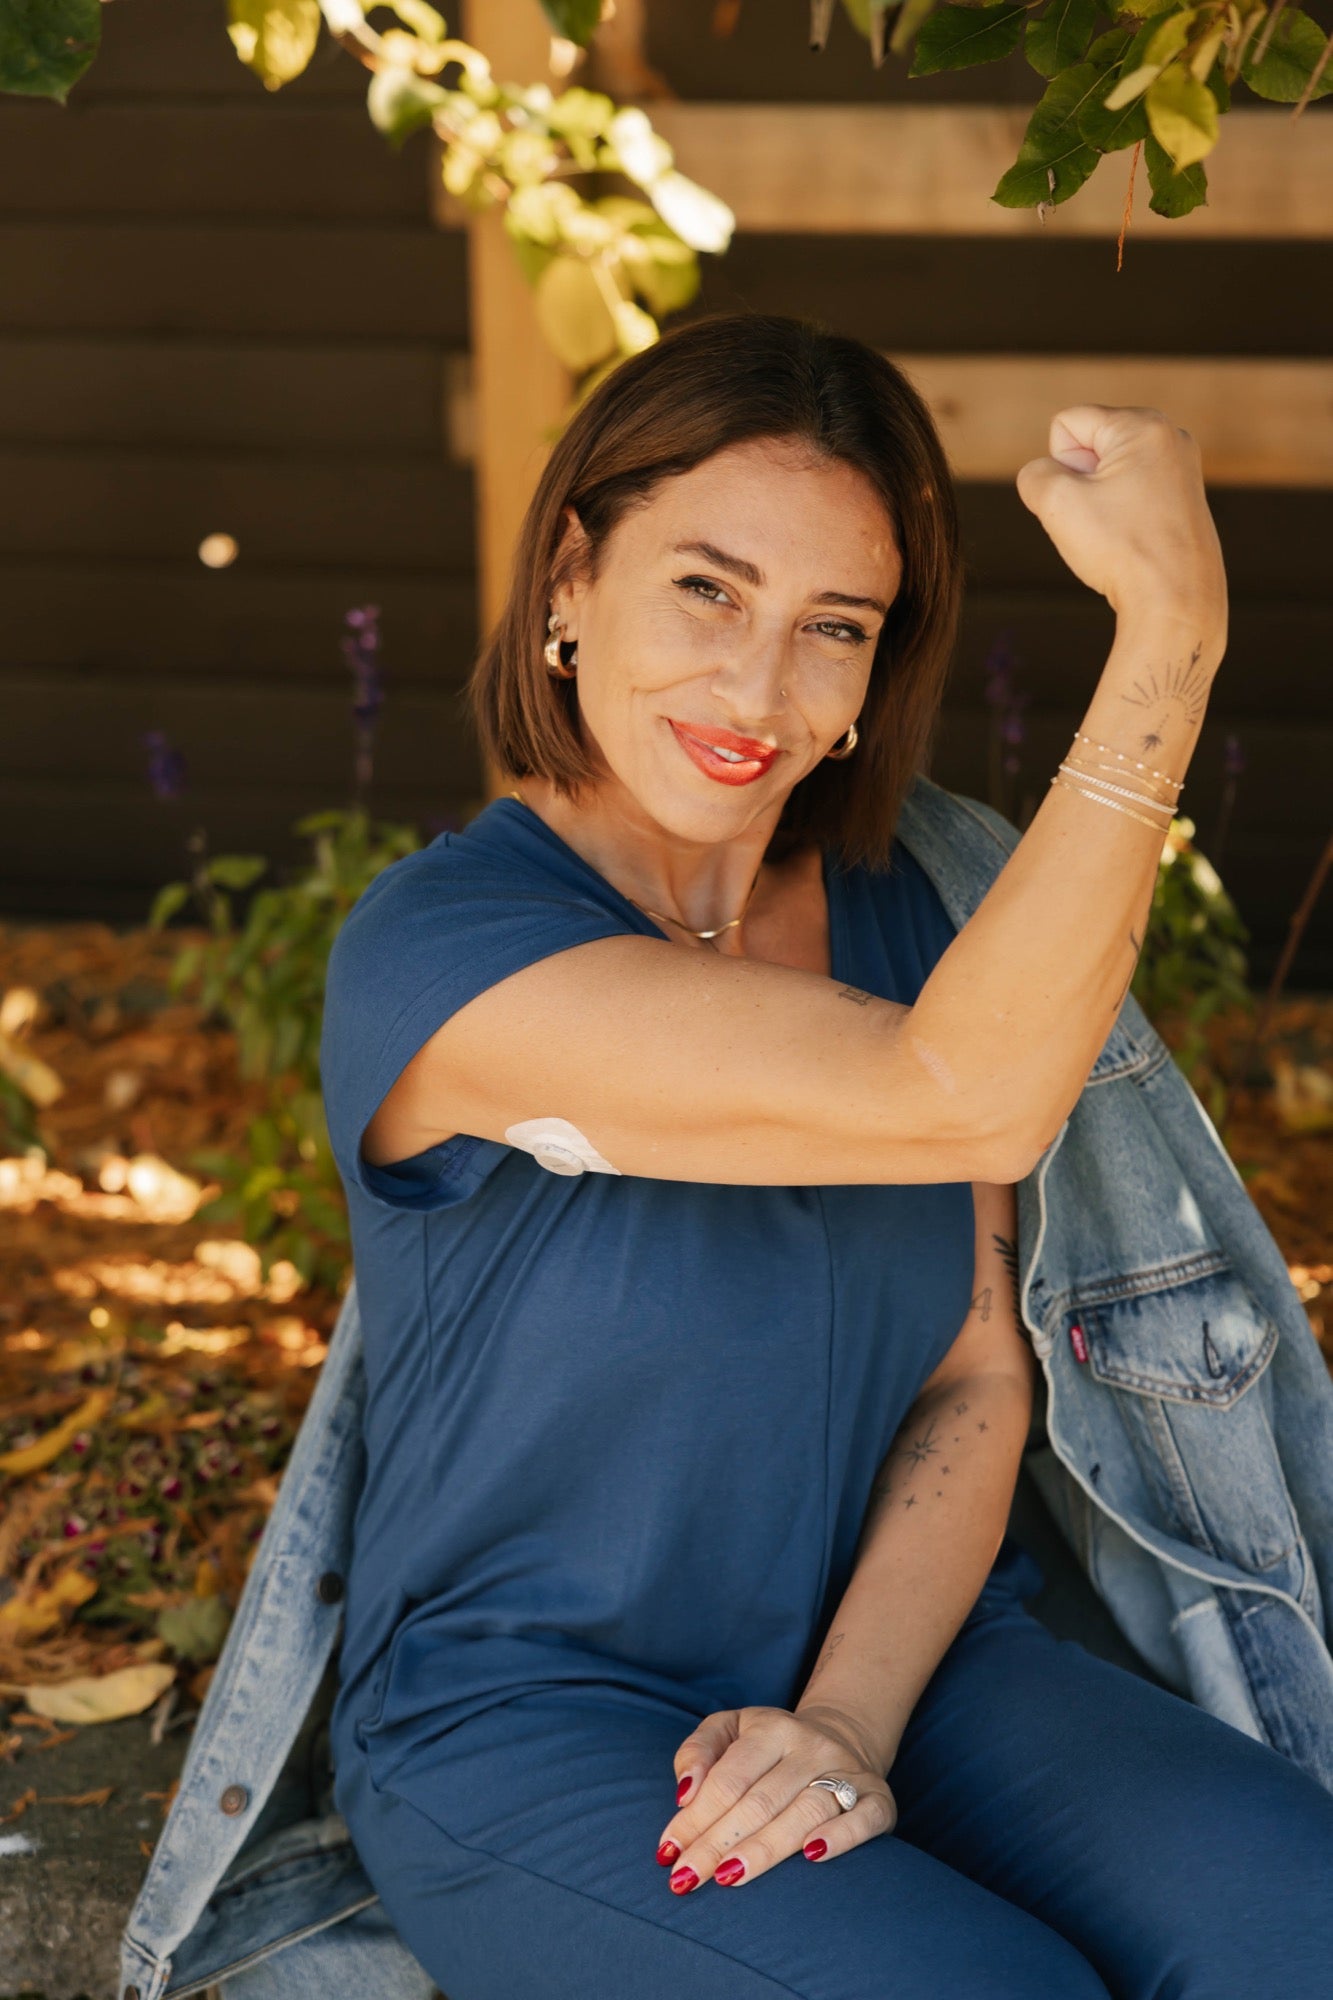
x: 700, y: 885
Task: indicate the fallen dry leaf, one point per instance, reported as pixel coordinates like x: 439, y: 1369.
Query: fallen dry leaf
x: 20, y: 1806
x: 31, y: 1458
x: 27, y: 1615
x: 98, y: 1798
x: 102, y: 1697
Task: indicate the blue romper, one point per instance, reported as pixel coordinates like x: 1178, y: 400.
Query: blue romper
x: 620, y: 1437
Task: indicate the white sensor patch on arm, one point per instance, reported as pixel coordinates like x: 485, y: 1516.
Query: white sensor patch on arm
x: 558, y: 1146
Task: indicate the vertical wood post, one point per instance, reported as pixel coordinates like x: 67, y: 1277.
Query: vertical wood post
x: 519, y: 387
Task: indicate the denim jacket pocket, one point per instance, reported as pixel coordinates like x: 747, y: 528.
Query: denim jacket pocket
x: 1193, y: 1353
x: 1192, y: 1334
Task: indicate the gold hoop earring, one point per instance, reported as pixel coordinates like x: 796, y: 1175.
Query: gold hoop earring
x: 551, y: 652
x: 848, y: 746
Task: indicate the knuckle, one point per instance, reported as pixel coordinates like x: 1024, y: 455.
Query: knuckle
x: 764, y: 1803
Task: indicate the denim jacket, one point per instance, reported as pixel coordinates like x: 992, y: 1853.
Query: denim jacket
x: 1184, y: 1444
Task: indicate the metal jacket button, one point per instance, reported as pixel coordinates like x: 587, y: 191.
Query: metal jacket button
x: 130, y: 1993
x: 330, y: 1587
x: 235, y: 1799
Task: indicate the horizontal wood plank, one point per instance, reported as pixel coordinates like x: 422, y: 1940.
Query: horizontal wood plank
x: 1258, y: 423
x: 306, y: 281
x: 240, y: 738
x: 931, y: 169
x: 180, y: 620
x: 295, y: 160
x: 1033, y: 295
x: 267, y: 396
x: 403, y: 514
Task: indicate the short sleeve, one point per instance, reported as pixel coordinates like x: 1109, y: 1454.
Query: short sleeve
x: 430, y: 933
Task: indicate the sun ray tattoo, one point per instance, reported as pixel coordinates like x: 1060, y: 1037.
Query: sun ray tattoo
x: 1188, y: 686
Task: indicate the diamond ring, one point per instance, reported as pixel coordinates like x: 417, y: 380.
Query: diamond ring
x: 842, y: 1789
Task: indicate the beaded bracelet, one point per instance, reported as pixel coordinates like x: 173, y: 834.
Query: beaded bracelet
x: 1116, y: 771
x: 1098, y: 800
x: 1164, y: 775
x: 1121, y: 791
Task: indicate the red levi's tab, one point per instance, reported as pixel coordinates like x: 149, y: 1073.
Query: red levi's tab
x: 1078, y: 1341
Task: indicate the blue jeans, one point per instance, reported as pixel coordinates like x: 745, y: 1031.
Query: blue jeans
x: 1066, y: 1830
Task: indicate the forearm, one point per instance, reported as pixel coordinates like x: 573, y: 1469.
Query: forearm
x: 1012, y: 1016
x: 937, y: 1515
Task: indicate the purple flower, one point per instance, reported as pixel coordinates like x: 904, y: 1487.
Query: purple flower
x: 166, y: 767
x: 361, y: 650
x: 1233, y: 757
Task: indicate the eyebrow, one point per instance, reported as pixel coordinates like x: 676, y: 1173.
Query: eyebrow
x: 750, y: 573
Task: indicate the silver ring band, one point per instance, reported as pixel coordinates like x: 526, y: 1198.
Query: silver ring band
x: 843, y: 1790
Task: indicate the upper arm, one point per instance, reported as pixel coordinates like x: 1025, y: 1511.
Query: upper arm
x: 992, y: 1338
x: 685, y: 1065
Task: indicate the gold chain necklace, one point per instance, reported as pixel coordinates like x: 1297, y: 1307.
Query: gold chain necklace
x: 705, y: 937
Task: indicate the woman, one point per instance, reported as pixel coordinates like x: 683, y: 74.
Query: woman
x: 680, y: 1134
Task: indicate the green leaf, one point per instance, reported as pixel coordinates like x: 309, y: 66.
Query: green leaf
x: 1289, y: 60
x: 1183, y: 115
x: 236, y: 871
x: 958, y: 37
x: 1173, y: 193
x: 421, y: 19
x: 46, y: 45
x: 172, y: 896
x: 574, y: 19
x: 1060, y: 36
x: 1107, y: 130
x: 400, y: 102
x: 1052, y: 144
x: 274, y: 38
x: 196, y: 1629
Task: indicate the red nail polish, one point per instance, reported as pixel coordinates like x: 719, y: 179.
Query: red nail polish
x: 683, y: 1880
x: 728, y: 1872
x: 814, y: 1848
x: 683, y: 1787
x: 668, y: 1852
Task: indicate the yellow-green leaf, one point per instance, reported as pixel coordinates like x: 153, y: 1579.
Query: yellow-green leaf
x: 1183, y: 115
x: 31, y: 1615
x: 574, y: 317
x: 32, y: 1457
x: 274, y: 38
x: 102, y: 1697
x: 1131, y: 86
x: 1171, y: 37
x: 698, y: 217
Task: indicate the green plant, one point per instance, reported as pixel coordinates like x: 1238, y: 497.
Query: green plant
x: 265, y: 977
x: 1193, y: 961
x: 1155, y: 75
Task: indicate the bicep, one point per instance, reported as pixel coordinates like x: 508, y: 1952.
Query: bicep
x: 683, y: 1065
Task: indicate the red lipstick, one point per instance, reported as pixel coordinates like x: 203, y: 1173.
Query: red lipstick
x: 750, y: 761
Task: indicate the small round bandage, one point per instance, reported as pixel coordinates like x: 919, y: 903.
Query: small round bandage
x: 558, y: 1146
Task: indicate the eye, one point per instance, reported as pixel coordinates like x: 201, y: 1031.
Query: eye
x: 834, y: 628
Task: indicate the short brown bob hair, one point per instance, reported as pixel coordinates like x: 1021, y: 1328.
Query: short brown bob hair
x: 715, y: 381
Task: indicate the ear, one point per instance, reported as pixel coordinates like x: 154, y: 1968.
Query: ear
x: 570, y: 555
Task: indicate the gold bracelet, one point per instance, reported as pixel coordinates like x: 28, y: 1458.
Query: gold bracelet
x: 1115, y: 770
x: 1121, y: 791
x: 1128, y: 759
x: 1098, y: 800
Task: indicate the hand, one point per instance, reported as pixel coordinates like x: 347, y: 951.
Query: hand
x: 749, y: 1801
x: 1122, y: 497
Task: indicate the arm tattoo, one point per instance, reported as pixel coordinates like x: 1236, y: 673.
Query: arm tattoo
x: 1137, y: 943
x: 1009, y: 1251
x: 824, y: 1658
x: 853, y: 993
x: 1187, y: 686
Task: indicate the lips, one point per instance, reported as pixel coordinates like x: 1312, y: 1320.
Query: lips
x: 750, y: 762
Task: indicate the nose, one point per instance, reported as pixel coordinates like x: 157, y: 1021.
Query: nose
x: 750, y: 684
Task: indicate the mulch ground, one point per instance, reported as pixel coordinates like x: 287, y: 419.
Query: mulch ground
x: 158, y: 1380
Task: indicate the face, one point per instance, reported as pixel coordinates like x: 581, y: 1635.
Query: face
x: 742, y: 602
